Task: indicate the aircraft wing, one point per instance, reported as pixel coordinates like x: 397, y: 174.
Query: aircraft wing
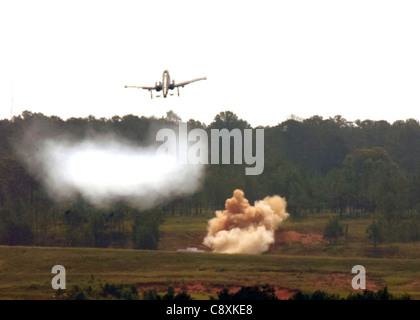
x: 181, y: 84
x: 140, y: 87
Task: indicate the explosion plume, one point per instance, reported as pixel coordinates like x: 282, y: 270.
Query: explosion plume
x: 243, y: 228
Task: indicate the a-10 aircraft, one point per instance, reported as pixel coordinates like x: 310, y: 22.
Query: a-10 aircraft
x: 165, y: 85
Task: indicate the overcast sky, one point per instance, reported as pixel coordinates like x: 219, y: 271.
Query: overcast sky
x: 264, y: 60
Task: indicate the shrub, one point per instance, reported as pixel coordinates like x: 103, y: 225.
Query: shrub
x: 249, y: 293
x: 333, y: 230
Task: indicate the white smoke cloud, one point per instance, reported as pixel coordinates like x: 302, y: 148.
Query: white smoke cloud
x: 105, y: 169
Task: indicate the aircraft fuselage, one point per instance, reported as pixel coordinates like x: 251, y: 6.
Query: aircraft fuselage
x: 166, y: 80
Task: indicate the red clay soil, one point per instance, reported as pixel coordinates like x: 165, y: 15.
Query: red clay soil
x: 206, y: 288
x: 337, y: 280
x: 283, y: 236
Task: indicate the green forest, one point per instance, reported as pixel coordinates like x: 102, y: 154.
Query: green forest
x: 350, y: 169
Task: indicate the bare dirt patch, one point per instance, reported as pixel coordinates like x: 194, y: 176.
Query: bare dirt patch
x: 284, y: 236
x: 211, y: 289
x: 339, y: 281
x: 414, y: 285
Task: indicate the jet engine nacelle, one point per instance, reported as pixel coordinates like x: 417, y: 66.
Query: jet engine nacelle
x: 172, y: 85
x: 158, y: 86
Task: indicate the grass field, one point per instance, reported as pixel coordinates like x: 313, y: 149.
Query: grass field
x: 25, y: 271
